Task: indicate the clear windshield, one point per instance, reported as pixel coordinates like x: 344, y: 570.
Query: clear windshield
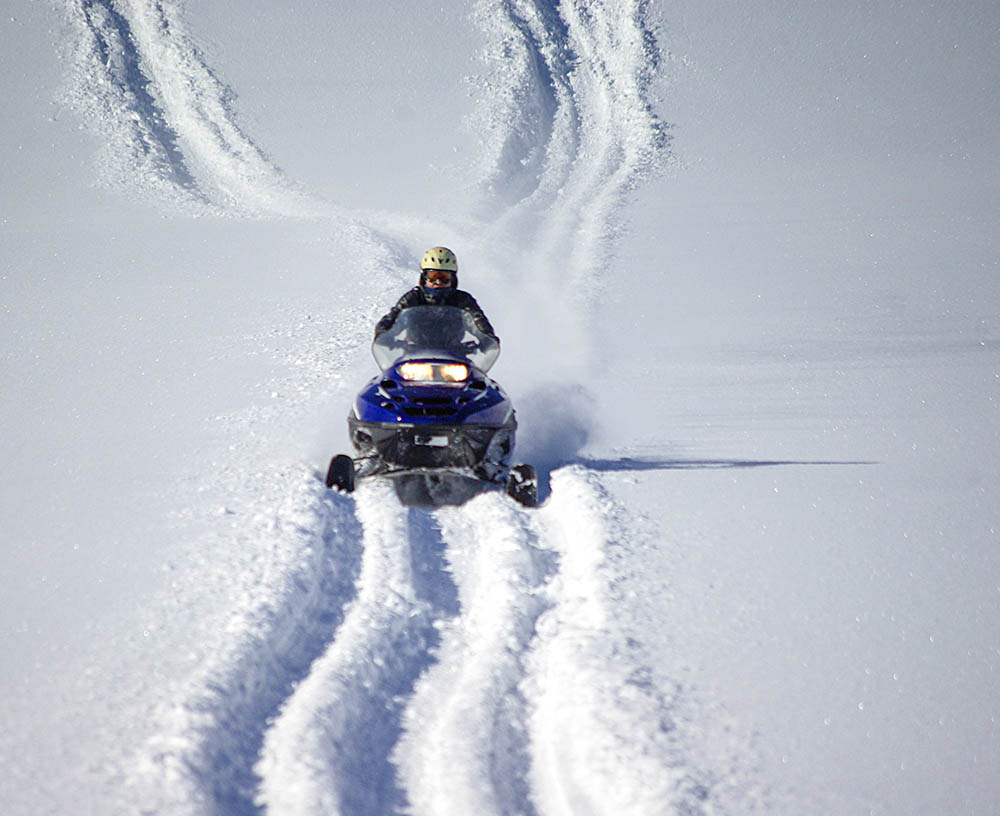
x: 423, y: 332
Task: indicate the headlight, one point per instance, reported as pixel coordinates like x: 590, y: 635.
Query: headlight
x: 416, y: 372
x: 453, y: 372
x: 434, y: 372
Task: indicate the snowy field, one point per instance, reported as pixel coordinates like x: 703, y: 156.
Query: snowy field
x: 743, y: 259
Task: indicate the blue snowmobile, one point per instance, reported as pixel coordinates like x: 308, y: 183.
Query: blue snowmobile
x: 432, y: 420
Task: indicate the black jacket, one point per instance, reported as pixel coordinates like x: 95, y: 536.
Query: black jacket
x: 416, y: 297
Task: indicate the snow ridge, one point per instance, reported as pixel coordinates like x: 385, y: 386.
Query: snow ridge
x: 329, y: 750
x: 287, y: 605
x: 606, y: 735
x: 168, y: 121
x: 570, y: 124
x: 465, y: 749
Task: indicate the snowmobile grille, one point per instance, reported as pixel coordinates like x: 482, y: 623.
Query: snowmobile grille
x: 432, y: 407
x: 432, y: 410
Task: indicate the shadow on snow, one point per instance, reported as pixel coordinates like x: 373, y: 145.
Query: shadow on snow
x: 629, y: 463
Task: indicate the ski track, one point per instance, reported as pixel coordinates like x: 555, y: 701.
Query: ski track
x: 384, y: 659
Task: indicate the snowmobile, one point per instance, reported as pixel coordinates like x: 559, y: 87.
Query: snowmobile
x: 432, y: 420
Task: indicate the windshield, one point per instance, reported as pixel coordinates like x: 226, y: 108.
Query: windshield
x: 439, y: 332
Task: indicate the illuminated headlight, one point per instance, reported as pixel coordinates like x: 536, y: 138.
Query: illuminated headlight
x: 434, y: 372
x: 453, y: 372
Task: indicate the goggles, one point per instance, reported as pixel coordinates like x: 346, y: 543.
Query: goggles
x: 437, y: 277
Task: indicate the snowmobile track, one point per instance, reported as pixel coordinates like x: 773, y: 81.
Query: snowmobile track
x: 465, y: 746
x: 402, y: 699
x: 167, y: 119
x: 486, y: 665
x: 285, y: 608
x: 329, y: 749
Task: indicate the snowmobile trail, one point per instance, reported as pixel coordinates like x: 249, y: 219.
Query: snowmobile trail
x: 167, y: 120
x: 572, y: 126
x: 488, y: 665
x: 329, y: 749
x: 383, y: 659
x: 284, y: 609
x: 540, y: 699
x: 605, y: 736
x: 464, y: 747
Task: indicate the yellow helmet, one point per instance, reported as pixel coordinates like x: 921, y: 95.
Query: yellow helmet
x: 439, y: 258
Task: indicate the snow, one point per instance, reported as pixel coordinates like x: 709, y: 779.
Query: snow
x: 743, y: 262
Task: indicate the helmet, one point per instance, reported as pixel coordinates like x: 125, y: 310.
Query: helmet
x: 438, y: 259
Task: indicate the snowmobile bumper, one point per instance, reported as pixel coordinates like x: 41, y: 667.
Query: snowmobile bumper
x: 390, y: 446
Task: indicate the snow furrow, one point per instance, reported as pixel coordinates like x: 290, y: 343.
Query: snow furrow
x: 284, y: 612
x: 167, y: 120
x: 115, y: 79
x: 464, y: 749
x: 621, y: 136
x: 575, y: 129
x: 606, y: 734
x: 527, y: 116
x: 329, y: 750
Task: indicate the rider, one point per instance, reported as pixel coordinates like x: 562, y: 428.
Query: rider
x: 438, y: 287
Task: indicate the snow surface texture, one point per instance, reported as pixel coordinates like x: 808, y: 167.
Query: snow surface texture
x: 768, y: 585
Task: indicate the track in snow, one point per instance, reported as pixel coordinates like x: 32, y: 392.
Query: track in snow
x: 329, y: 750
x: 382, y: 659
x: 167, y: 120
x: 570, y: 129
x: 486, y: 666
x: 465, y: 748
x: 285, y: 604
